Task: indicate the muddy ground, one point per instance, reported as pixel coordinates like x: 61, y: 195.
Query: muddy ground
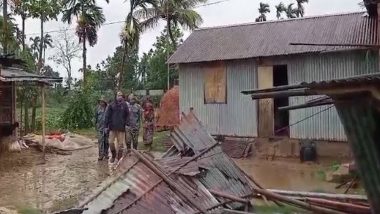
x: 56, y: 185
x: 64, y: 180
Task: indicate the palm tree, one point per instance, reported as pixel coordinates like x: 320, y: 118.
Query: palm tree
x: 290, y: 11
x: 48, y: 42
x: 174, y: 12
x: 89, y: 19
x: 263, y: 9
x: 130, y: 36
x: 22, y: 8
x: 279, y: 9
x: 300, y: 11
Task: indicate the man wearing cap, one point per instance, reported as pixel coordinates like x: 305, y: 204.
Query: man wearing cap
x: 135, y: 115
x: 100, y: 128
x: 116, y: 121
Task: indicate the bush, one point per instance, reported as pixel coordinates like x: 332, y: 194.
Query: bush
x: 79, y: 113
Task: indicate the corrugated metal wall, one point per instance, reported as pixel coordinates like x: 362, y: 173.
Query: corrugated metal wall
x: 239, y: 115
x: 325, y: 125
x: 236, y: 118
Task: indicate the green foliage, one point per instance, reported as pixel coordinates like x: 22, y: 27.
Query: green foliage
x: 44, y: 9
x: 153, y: 67
x: 79, y: 113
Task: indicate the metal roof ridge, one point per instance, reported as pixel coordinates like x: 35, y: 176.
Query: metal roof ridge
x: 281, y: 20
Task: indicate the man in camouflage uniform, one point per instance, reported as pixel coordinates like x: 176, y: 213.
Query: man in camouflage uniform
x: 135, y: 115
x: 100, y: 129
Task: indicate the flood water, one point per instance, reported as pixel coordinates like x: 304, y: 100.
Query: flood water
x: 290, y: 174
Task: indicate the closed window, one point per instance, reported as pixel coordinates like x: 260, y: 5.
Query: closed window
x: 215, y: 83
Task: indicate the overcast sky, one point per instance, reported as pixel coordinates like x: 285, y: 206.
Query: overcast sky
x: 223, y: 13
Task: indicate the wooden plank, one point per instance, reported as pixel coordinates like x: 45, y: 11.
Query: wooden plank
x: 266, y: 106
x: 215, y: 85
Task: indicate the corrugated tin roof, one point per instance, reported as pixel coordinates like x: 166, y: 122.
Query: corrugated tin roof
x: 191, y: 138
x: 140, y: 190
x: 272, y: 38
x: 352, y: 81
x: 11, y: 74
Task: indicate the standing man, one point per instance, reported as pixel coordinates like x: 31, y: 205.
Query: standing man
x: 135, y: 114
x: 148, y: 123
x: 116, y: 121
x: 101, y: 128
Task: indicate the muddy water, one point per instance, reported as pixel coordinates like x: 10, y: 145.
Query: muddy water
x: 56, y: 185
x: 289, y: 174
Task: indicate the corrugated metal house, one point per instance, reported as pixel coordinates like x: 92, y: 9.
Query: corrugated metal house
x: 216, y: 64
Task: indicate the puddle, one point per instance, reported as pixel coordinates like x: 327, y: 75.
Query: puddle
x: 290, y: 175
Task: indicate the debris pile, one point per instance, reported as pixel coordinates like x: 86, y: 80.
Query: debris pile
x: 63, y: 142
x: 196, y: 176
x: 168, y: 116
x: 237, y: 149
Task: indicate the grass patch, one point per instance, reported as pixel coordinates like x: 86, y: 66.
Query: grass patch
x: 321, y: 175
x: 159, y: 139
x: 90, y: 132
x: 269, y: 209
x: 28, y: 210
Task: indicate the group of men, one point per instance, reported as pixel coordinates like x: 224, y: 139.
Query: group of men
x: 118, y: 125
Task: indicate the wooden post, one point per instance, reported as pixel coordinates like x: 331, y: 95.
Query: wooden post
x: 43, y: 120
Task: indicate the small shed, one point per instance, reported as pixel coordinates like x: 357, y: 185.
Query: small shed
x: 217, y: 63
x: 10, y: 74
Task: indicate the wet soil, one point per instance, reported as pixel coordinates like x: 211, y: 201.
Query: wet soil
x: 56, y: 185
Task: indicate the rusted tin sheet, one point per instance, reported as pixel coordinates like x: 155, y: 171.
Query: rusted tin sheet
x: 219, y: 171
x: 141, y: 190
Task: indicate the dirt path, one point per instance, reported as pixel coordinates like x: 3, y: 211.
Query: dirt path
x: 56, y: 185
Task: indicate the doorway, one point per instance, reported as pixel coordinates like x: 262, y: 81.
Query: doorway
x: 281, y: 118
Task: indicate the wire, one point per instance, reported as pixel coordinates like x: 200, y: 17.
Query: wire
x: 306, y: 118
x: 118, y: 22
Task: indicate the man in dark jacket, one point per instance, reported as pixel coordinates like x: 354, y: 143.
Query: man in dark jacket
x: 116, y: 121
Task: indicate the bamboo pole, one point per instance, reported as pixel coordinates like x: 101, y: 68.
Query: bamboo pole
x: 300, y: 204
x: 341, y: 206
x: 229, y: 196
x: 168, y: 180
x: 43, y: 121
x: 342, y: 197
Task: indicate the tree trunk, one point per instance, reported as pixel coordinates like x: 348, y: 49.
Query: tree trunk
x: 34, y: 109
x: 41, y: 45
x: 26, y: 116
x: 69, y: 78
x: 125, y: 54
x: 171, y: 34
x: 23, y: 17
x: 5, y: 20
x: 84, y: 55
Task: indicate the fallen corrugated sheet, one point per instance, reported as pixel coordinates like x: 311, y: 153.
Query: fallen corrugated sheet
x: 237, y: 149
x: 219, y: 172
x: 139, y: 189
